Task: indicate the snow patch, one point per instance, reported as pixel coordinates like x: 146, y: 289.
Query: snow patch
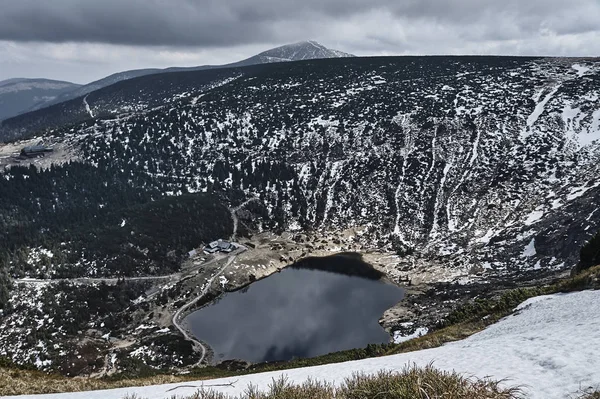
x: 223, y: 281
x: 87, y: 107
x: 581, y: 69
x: 419, y: 332
x: 534, y: 217
x: 529, y: 250
x: 539, y: 109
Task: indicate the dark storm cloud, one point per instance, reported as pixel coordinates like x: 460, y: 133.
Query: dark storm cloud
x: 134, y: 22
x: 214, y: 23
x: 84, y: 40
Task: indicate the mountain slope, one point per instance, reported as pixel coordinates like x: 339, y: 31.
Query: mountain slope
x: 523, y: 349
x: 476, y: 162
x: 473, y: 165
x: 468, y: 173
x: 292, y: 52
x: 131, y: 95
x: 19, y: 95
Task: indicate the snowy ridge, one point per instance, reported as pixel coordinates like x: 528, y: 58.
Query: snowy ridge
x: 307, y: 50
x: 546, y: 348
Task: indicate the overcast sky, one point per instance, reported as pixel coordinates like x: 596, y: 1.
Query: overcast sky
x: 84, y: 40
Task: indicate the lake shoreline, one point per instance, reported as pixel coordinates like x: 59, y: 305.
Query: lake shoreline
x: 304, y: 283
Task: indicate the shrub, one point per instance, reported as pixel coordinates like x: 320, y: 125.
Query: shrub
x: 589, y: 393
x: 589, y: 254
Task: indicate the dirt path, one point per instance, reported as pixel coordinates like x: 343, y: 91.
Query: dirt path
x: 87, y: 106
x: 114, y: 280
x: 177, y: 317
x: 235, y: 218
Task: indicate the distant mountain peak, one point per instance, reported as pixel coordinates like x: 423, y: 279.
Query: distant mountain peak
x: 305, y: 50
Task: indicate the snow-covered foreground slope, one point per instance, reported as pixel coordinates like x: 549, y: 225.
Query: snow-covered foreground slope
x: 550, y: 347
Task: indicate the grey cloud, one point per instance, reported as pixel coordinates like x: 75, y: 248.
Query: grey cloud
x: 133, y: 22
x: 84, y: 40
x: 482, y: 20
x: 214, y: 23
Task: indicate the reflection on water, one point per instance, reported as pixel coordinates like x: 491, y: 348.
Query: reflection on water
x: 295, y: 313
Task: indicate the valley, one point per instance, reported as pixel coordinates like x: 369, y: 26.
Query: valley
x: 455, y: 177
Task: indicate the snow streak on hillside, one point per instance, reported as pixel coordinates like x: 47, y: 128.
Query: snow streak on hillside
x: 550, y: 348
x: 464, y: 160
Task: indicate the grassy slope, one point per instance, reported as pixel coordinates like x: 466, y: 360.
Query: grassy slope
x: 462, y: 323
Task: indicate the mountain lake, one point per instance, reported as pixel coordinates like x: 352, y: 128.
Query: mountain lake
x: 311, y: 308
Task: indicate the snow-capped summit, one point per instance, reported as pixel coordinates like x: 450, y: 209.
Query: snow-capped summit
x: 306, y: 50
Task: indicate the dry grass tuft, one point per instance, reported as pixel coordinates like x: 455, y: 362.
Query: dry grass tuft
x: 411, y: 383
x: 424, y: 383
x: 591, y: 393
x: 283, y: 389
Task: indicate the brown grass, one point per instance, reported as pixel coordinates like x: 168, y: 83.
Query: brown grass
x: 589, y: 394
x: 22, y: 382
x: 411, y: 383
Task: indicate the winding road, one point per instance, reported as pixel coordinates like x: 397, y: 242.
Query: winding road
x: 177, y: 317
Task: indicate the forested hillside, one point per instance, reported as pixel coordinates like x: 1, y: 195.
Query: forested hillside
x: 78, y: 220
x: 480, y: 160
x: 128, y: 96
x: 464, y: 170
x: 474, y: 161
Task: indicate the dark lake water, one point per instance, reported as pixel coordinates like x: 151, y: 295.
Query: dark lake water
x: 296, y: 313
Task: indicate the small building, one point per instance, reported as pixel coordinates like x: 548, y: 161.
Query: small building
x: 35, y: 151
x: 219, y: 246
x: 192, y: 253
x: 225, y: 246
x: 212, y: 248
